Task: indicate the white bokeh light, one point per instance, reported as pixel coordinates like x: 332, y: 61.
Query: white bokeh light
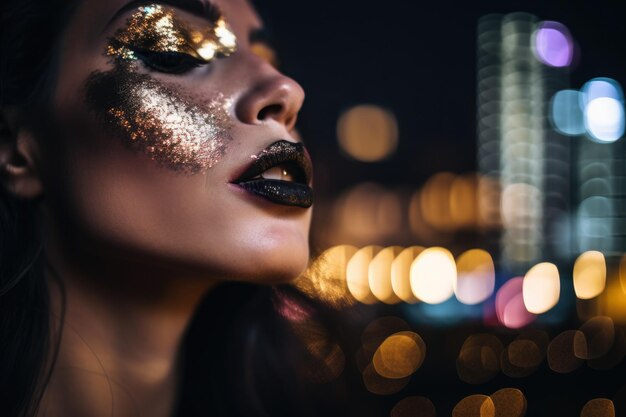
x: 604, y: 119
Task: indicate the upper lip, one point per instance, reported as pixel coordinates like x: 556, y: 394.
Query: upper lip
x: 281, y: 152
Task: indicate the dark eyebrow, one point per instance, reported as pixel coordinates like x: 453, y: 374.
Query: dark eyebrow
x: 200, y: 8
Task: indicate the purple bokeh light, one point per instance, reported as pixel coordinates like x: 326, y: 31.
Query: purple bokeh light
x: 553, y: 44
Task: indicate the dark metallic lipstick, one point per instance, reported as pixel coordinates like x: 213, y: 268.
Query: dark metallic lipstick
x: 292, y: 162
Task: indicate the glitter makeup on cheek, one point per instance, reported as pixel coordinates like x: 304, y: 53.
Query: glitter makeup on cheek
x: 155, y: 119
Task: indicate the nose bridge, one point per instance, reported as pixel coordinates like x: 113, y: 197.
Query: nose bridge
x: 269, y: 94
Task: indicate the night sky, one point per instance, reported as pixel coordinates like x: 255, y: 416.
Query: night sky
x: 417, y: 59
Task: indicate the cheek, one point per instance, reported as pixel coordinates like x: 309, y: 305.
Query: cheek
x: 156, y: 120
x: 195, y: 222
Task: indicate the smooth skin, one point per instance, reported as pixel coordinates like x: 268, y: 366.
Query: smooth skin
x: 136, y: 244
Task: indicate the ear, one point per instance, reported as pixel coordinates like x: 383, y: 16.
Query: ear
x: 19, y: 152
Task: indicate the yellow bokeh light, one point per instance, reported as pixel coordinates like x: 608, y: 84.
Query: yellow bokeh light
x: 509, y: 402
x: 464, y: 201
x: 400, y: 274
x: 367, y: 212
x: 477, y: 405
x: 589, y: 275
x: 598, y: 407
x: 400, y: 355
x: 325, y: 278
x: 357, y: 274
x: 476, y: 276
x: 265, y: 52
x: 435, y: 201
x: 613, y: 301
x: 433, y: 275
x: 521, y: 358
x: 622, y: 273
x: 380, y: 275
x: 419, y: 226
x: 368, y: 133
x: 541, y: 289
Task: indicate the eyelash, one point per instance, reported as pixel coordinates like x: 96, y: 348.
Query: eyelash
x: 169, y: 62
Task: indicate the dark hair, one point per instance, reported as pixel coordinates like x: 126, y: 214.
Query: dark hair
x: 239, y: 356
x: 30, y: 33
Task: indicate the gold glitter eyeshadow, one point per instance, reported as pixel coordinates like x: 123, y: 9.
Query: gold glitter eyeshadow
x: 157, y: 29
x: 156, y: 120
x: 150, y: 116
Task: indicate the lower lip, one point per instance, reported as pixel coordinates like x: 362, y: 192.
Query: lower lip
x: 280, y: 192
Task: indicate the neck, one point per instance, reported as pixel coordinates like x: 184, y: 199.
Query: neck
x: 120, y: 333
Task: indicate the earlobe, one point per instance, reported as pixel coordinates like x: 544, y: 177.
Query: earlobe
x: 18, y: 156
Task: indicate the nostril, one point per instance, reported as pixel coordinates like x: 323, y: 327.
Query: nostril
x: 273, y: 110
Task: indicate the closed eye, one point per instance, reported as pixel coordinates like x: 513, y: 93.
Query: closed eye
x: 170, y: 62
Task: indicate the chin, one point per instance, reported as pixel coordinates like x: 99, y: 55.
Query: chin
x: 277, y: 267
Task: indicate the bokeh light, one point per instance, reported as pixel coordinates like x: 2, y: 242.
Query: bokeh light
x: 433, y: 275
x: 366, y: 213
x: 435, y: 201
x: 553, y: 44
x: 561, y: 356
x: 595, y: 338
x: 368, y: 132
x: 598, y: 407
x: 464, y: 201
x: 479, y: 358
x: 566, y: 115
x: 378, y: 330
x: 401, y: 274
x: 400, y: 355
x: 325, y: 278
x: 476, y: 405
x: 510, y: 308
x: 622, y: 273
x: 541, y: 288
x: 476, y: 276
x: 509, y: 402
x: 603, y: 106
x: 380, y: 275
x: 614, y: 356
x: 357, y: 274
x: 521, y: 358
x: 604, y: 119
x: 379, y: 385
x: 589, y: 275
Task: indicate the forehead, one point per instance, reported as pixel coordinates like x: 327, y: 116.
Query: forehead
x: 94, y: 16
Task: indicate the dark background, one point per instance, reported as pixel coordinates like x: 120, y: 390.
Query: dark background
x: 418, y: 59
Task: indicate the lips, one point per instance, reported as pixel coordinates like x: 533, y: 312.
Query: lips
x: 280, y: 173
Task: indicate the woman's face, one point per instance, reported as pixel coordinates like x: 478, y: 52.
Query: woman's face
x: 172, y: 141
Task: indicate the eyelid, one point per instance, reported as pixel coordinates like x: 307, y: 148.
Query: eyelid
x: 154, y: 28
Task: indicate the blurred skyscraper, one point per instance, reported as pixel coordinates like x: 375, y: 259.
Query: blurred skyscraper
x: 516, y: 146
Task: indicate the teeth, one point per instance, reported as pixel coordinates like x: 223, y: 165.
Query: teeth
x: 277, y: 173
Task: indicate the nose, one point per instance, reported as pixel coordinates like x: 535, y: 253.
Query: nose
x: 272, y: 96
